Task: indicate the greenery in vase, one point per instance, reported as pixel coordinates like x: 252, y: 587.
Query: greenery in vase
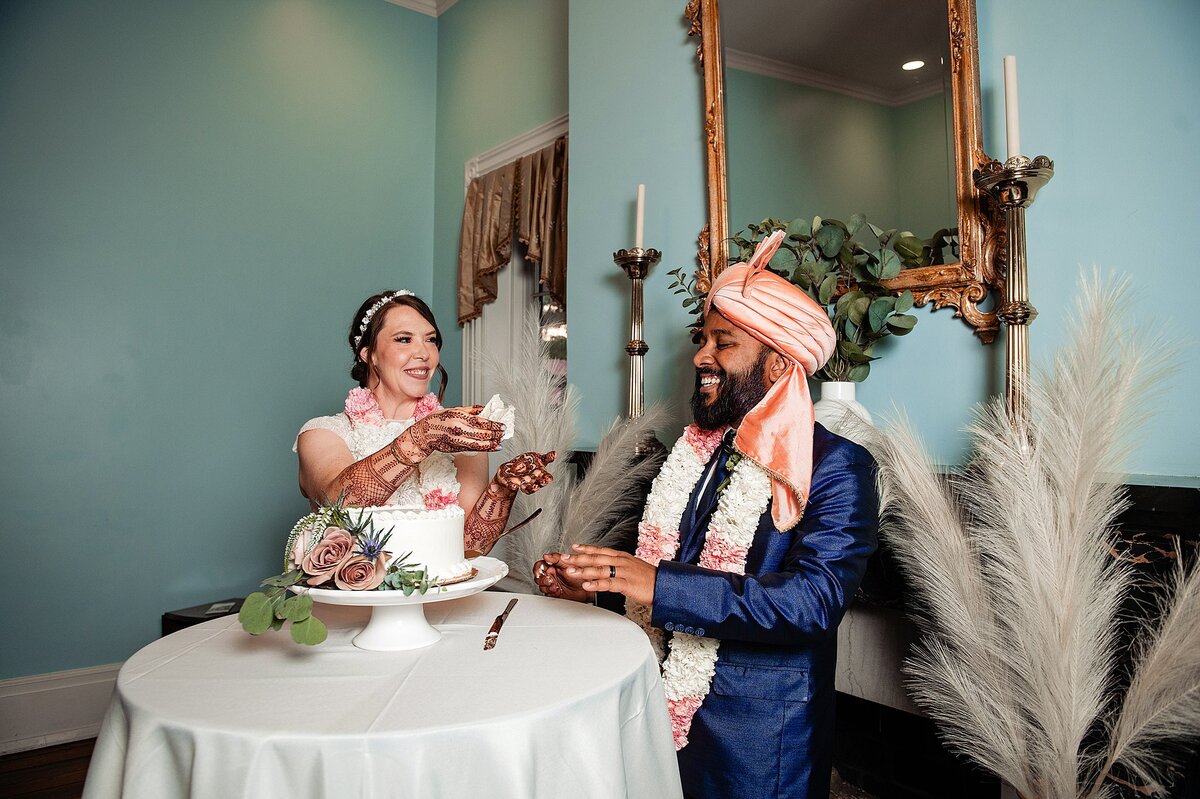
x: 829, y: 260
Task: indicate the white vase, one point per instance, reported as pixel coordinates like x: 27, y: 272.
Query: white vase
x: 838, y: 411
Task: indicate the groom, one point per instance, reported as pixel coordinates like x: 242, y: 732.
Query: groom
x: 753, y: 542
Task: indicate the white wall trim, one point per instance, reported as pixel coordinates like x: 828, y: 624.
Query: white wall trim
x: 54, y: 708
x: 528, y: 142
x: 781, y: 70
x: 434, y: 8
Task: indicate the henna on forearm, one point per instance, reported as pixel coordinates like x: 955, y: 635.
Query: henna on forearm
x: 376, y: 477
x: 486, y: 522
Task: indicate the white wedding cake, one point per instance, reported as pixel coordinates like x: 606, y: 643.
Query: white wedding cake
x: 428, y: 539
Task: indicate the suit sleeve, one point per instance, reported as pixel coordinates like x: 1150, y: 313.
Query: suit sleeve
x: 804, y: 601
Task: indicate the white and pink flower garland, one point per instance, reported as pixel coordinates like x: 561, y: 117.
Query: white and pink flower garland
x: 688, y: 669
x: 371, y: 431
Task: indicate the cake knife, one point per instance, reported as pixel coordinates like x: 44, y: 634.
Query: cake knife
x: 489, y: 640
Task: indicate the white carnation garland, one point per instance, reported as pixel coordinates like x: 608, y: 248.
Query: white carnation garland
x: 689, y: 667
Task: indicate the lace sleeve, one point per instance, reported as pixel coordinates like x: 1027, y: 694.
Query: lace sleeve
x: 338, y: 424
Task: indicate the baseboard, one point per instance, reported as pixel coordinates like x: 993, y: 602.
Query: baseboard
x: 55, y: 708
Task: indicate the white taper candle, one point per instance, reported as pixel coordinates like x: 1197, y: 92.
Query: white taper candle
x: 641, y: 214
x: 1012, y: 116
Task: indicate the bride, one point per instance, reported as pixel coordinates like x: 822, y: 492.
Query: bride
x: 395, y: 444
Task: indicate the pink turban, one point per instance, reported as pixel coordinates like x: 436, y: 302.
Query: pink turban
x: 777, y: 432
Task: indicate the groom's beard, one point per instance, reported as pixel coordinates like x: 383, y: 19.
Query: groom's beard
x: 736, y: 395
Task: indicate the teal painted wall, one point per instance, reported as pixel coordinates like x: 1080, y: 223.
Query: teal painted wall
x: 194, y: 197
x: 1111, y: 92
x: 636, y: 105
x: 502, y: 70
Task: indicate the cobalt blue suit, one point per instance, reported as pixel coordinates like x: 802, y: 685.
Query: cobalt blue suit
x: 766, y: 726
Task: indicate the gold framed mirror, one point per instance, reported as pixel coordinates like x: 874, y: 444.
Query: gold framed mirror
x: 964, y: 284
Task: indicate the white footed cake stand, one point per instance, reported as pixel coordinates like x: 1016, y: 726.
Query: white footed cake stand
x: 398, y: 621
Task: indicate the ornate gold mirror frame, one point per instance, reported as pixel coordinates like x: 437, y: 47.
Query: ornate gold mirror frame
x: 962, y: 286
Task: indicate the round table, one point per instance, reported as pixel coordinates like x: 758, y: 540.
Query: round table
x: 568, y: 703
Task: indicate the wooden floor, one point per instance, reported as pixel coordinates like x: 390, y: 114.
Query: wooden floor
x: 55, y: 772
x: 58, y: 772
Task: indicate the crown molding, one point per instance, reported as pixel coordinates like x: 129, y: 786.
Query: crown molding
x: 434, y: 8
x: 781, y: 70
x: 528, y: 142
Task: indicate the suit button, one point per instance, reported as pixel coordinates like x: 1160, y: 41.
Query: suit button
x: 668, y: 626
x: 700, y: 631
x: 690, y: 630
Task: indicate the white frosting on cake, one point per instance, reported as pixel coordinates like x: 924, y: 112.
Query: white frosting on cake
x: 433, y: 537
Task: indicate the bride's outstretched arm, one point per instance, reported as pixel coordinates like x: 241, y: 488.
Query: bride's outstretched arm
x: 328, y: 470
x: 486, y: 521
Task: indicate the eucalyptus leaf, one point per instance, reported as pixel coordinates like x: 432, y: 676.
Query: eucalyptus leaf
x: 855, y: 224
x: 876, y: 229
x: 858, y: 309
x: 890, y: 265
x: 828, y: 286
x: 799, y: 228
x: 851, y: 330
x: 859, y: 372
x: 908, y: 246
x: 830, y: 238
x: 904, y: 302
x: 852, y: 352
x: 298, y: 607
x: 902, y: 324
x: 309, y: 632
x: 256, y: 613
x: 878, y: 312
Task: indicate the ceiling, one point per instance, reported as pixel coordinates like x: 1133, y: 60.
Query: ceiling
x: 853, y: 46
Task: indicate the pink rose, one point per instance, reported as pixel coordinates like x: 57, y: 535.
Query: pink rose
x: 360, y: 574
x: 327, y: 555
x: 361, y: 407
x: 438, y: 499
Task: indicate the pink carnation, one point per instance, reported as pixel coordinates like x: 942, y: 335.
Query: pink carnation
x: 703, y: 442
x: 426, y: 405
x: 723, y: 556
x: 654, y: 544
x: 362, y: 408
x: 359, y: 574
x: 681, y: 712
x: 327, y: 555
x: 438, y: 499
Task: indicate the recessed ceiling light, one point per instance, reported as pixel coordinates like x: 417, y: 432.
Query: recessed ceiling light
x: 911, y: 65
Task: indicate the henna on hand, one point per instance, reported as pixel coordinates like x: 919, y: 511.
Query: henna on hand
x: 376, y: 477
x: 526, y: 472
x: 454, y: 430
x: 486, y: 522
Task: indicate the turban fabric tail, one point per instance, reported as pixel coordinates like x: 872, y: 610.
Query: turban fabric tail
x: 777, y: 433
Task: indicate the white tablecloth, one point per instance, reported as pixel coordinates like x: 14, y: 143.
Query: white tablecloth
x: 568, y: 704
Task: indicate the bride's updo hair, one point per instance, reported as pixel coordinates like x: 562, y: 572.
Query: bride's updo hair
x: 381, y: 303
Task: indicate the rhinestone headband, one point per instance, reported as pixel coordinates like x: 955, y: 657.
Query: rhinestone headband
x: 366, y: 320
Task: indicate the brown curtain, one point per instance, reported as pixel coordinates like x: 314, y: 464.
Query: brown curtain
x: 486, y: 243
x: 542, y: 216
x: 529, y: 194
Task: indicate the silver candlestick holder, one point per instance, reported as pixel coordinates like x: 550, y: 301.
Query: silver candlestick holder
x: 636, y: 262
x: 1013, y: 185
